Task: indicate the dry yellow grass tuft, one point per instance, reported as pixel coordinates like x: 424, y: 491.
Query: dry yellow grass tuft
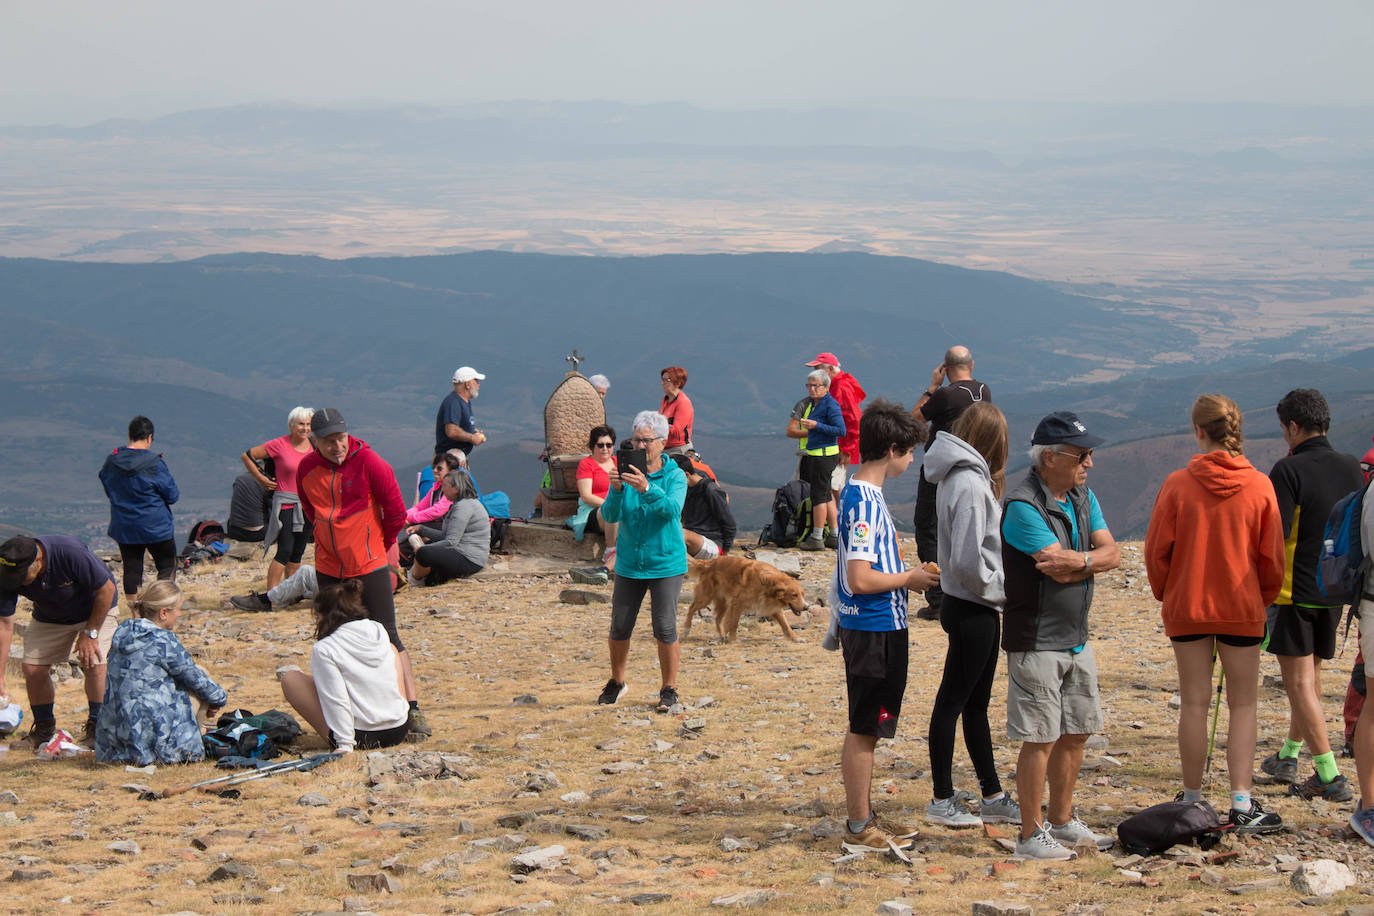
x: 648, y: 808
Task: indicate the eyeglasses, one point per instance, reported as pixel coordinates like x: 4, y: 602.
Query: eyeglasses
x: 1082, y: 457
x: 605, y: 445
x: 816, y: 385
x: 638, y: 441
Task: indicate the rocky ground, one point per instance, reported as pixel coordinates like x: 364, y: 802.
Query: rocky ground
x: 531, y: 798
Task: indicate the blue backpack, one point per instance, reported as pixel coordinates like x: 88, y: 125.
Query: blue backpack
x: 1344, y: 566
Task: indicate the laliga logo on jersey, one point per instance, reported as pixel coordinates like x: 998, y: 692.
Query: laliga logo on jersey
x: 861, y: 532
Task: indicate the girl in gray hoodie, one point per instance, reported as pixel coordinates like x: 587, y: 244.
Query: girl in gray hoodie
x: 967, y: 465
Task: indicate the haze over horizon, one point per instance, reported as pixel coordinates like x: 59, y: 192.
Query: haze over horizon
x: 79, y: 61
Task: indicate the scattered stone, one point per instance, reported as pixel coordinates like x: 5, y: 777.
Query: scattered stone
x: 813, y: 808
x: 735, y: 844
x: 139, y: 789
x: 1086, y: 909
x: 1175, y: 702
x: 649, y: 899
x: 574, y: 798
x: 7, y: 797
x: 587, y: 831
x: 583, y: 596
x: 124, y: 847
x: 1322, y: 878
x: 546, y: 858
x: 1264, y: 884
x: 374, y: 882
x: 895, y: 907
x: 526, y: 699
x: 232, y: 870
x: 312, y: 800
x: 634, y: 818
x: 30, y: 874
x: 516, y: 820
x: 1001, y: 908
x: 620, y: 766
x: 703, y: 702
x: 745, y: 899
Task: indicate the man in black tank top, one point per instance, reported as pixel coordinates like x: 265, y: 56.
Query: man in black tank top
x: 940, y: 407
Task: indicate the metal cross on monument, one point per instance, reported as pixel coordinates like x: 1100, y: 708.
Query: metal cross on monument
x: 575, y: 358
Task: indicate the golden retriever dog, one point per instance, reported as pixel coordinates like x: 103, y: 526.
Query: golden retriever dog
x: 732, y: 585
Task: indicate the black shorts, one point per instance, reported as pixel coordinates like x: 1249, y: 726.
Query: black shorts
x: 1239, y: 642
x: 364, y: 740
x: 875, y: 678
x: 594, y: 522
x: 1298, y: 631
x: 817, y: 470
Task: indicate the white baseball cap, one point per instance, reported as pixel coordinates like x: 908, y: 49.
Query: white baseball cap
x: 466, y: 374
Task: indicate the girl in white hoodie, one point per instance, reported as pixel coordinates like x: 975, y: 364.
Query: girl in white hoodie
x: 353, y: 695
x: 967, y: 465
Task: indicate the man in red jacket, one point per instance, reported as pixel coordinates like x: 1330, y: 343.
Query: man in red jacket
x: 351, y: 497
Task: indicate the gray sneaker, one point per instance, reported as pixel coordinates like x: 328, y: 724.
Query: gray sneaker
x: 1283, y: 769
x: 951, y: 813
x: 1076, y: 833
x: 1002, y: 811
x: 1040, y: 845
x: 590, y: 575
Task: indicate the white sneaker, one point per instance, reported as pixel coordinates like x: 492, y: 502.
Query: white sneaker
x: 1001, y: 811
x: 1040, y: 845
x: 951, y: 813
x: 1076, y: 833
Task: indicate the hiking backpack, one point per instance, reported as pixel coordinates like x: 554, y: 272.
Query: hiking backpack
x: 791, y: 515
x: 1160, y: 826
x: 1344, y: 566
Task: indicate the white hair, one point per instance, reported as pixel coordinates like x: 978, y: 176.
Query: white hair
x: 1037, y: 453
x: 297, y: 414
x: 819, y: 375
x: 599, y: 381
x: 653, y: 421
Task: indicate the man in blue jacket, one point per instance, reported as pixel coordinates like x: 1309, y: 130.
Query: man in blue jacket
x: 822, y: 428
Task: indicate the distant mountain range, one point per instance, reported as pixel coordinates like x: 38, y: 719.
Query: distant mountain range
x: 217, y: 350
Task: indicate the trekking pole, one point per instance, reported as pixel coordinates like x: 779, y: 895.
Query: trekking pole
x: 1216, y: 714
x: 302, y: 765
x: 256, y: 774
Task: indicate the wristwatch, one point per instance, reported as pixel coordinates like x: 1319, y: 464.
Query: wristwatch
x: 93, y: 634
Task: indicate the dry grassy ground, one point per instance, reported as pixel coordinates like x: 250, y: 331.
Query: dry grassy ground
x: 670, y: 818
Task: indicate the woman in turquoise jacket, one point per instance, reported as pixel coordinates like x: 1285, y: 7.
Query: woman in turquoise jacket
x: 650, y: 556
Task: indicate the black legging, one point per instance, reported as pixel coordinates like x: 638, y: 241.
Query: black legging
x: 445, y: 563
x: 164, y: 554
x: 965, y: 690
x: 377, y: 598
x: 291, y: 544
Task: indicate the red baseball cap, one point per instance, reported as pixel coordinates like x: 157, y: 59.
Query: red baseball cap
x: 826, y: 359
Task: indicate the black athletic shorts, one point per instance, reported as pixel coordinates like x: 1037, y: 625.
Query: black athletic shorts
x: 1297, y: 631
x: 817, y: 470
x: 364, y: 740
x: 1240, y: 642
x: 875, y: 677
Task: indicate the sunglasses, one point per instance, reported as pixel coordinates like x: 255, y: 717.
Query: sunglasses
x: 605, y: 445
x: 1081, y: 457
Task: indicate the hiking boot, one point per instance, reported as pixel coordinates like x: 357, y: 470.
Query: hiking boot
x: 874, y: 838
x: 829, y: 539
x: 1000, y: 811
x: 1076, y: 833
x: 611, y: 693
x: 1347, y: 750
x: 590, y: 575
x: 1256, y: 820
x: 667, y: 699
x: 928, y: 612
x: 41, y: 732
x: 88, y: 732
x: 419, y: 727
x: 951, y: 813
x: 901, y: 832
x: 1040, y: 845
x: 1362, y: 822
x: 812, y: 544
x: 1283, y: 769
x: 251, y: 602
x: 1337, y: 790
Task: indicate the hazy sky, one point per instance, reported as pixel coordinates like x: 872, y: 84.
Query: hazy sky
x: 75, y: 61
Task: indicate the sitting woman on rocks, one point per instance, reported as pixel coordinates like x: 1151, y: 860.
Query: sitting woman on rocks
x: 352, y: 697
x: 433, y: 504
x: 593, y: 483
x: 147, y: 715
x: 461, y: 546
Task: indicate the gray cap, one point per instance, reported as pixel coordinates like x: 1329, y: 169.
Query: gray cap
x: 326, y: 422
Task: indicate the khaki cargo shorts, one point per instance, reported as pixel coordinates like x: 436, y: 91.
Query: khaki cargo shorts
x: 51, y: 643
x: 1052, y: 693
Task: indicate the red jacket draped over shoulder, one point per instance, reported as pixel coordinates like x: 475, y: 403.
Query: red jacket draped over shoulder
x: 356, y: 508
x: 846, y: 389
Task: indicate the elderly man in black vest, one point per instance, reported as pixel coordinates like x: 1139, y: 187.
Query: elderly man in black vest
x: 1053, y: 540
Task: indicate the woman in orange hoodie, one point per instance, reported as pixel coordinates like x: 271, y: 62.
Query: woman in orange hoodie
x: 1214, y: 555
